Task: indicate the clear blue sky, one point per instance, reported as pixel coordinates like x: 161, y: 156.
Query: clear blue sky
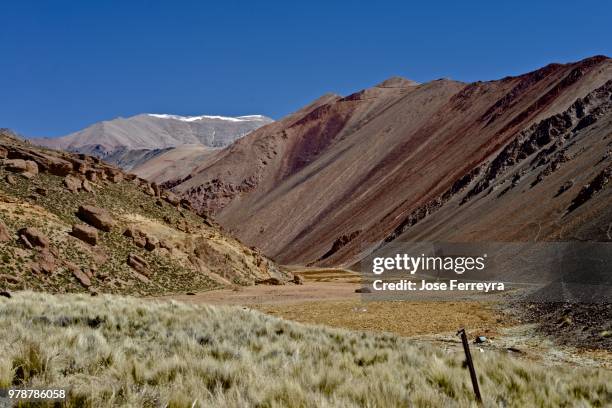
x: 67, y: 64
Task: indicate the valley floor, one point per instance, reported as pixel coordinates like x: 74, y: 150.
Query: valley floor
x: 123, y: 351
x: 328, y: 298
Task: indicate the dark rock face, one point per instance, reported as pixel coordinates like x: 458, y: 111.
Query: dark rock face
x: 339, y: 243
x: 589, y: 190
x: 96, y: 217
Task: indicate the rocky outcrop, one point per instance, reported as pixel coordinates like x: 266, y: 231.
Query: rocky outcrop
x: 215, y: 194
x: 33, y: 238
x: 339, y: 243
x: 57, y: 253
x: 79, y: 275
x: 546, y: 137
x: 139, y: 264
x: 44, y: 263
x: 142, y: 239
x: 96, y: 217
x: 595, y: 186
x: 85, y: 233
x: 45, y: 162
x: 72, y: 183
x: 27, y: 168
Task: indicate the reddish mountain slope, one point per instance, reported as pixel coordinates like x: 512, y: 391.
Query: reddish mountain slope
x: 396, y: 160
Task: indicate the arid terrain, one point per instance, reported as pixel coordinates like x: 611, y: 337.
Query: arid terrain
x: 524, y: 158
x: 114, y: 351
x: 71, y: 223
x: 173, y: 261
x: 570, y: 334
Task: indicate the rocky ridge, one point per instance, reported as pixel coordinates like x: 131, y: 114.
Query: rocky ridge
x: 74, y: 223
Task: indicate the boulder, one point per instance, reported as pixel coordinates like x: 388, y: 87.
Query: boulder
x: 80, y: 276
x: 364, y: 289
x: 148, y: 190
x: 4, y: 233
x: 96, y: 217
x: 140, y: 238
x: 85, y: 233
x: 114, y: 175
x: 91, y: 175
x: 140, y: 241
x: 79, y: 165
x: 165, y: 244
x: 31, y: 168
x: 151, y: 243
x: 172, y: 198
x: 26, y: 168
x: 41, y: 191
x: 186, y: 204
x: 156, y: 189
x: 72, y: 183
x: 45, y: 162
x: 138, y: 263
x: 10, y: 180
x: 3, y: 153
x: 298, y: 280
x: 33, y: 238
x: 270, y: 281
x: 87, y: 186
x: 15, y: 165
x: 130, y: 232
x: 45, y: 263
x: 11, y: 279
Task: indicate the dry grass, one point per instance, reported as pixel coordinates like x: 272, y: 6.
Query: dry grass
x: 115, y: 351
x: 403, y: 318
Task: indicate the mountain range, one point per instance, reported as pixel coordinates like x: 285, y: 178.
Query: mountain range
x: 128, y: 142
x: 521, y: 158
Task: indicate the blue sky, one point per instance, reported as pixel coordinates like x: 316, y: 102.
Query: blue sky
x: 67, y: 64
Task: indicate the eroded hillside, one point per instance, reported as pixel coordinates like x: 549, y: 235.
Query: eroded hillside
x: 72, y: 223
x: 521, y: 158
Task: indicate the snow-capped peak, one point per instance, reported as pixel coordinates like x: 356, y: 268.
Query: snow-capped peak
x: 195, y: 118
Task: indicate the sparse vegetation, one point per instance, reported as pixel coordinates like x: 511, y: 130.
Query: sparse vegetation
x: 181, y: 251
x: 124, y: 351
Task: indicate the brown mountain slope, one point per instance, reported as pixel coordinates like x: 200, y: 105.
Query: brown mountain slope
x: 350, y: 173
x: 174, y: 163
x: 72, y: 223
